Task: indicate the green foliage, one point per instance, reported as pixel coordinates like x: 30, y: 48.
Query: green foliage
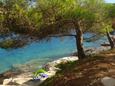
x: 11, y: 43
x: 53, y: 14
x: 6, y: 43
x: 43, y: 18
x: 111, y: 14
x: 57, y: 16
x: 111, y: 9
x: 16, y: 15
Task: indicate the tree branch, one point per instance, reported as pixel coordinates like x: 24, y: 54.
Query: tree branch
x: 62, y: 35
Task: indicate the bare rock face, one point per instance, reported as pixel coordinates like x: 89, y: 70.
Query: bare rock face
x: 108, y: 81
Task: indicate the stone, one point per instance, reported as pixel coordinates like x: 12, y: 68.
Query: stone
x: 7, y: 81
x: 15, y: 80
x: 108, y: 81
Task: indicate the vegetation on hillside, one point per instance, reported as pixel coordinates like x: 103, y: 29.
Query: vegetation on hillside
x: 57, y: 18
x: 23, y: 21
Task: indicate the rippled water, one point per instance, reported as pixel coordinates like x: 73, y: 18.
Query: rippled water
x: 41, y: 52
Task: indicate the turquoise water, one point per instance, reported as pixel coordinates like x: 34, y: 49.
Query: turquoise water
x: 41, y: 52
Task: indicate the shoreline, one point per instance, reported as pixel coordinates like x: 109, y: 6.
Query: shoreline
x: 25, y: 78
x: 52, y: 69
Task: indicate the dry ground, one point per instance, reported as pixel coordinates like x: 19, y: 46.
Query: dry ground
x: 87, y: 72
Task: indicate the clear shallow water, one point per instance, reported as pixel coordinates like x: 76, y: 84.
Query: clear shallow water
x: 41, y: 52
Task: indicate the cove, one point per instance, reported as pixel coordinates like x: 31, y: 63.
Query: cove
x: 42, y: 52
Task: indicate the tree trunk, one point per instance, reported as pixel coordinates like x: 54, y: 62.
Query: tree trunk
x: 110, y: 40
x: 79, y: 42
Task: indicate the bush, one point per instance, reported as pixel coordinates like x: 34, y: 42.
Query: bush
x: 11, y: 43
x: 7, y: 43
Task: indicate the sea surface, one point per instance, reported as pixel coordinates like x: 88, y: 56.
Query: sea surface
x: 42, y: 52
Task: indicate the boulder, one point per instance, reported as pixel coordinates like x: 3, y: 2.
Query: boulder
x: 108, y: 81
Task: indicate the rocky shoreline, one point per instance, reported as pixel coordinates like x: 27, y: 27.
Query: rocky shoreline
x: 8, y: 74
x: 26, y: 78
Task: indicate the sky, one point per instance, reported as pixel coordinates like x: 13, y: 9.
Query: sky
x: 110, y: 1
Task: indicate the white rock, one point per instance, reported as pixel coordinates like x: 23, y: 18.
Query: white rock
x: 108, y: 81
x: 16, y: 80
x: 6, y: 81
x: 51, y: 65
x: 21, y: 80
